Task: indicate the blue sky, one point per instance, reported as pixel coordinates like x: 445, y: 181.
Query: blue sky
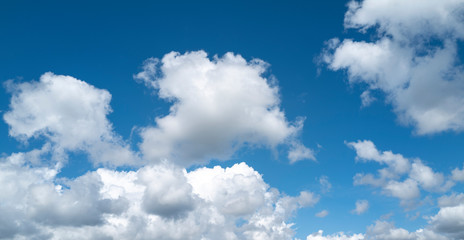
x: 239, y: 120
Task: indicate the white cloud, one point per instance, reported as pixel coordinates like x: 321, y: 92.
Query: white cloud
x: 238, y: 191
x: 71, y: 114
x: 33, y: 197
x: 157, y: 201
x: 414, y: 59
x: 449, y: 221
x: 451, y: 200
x: 406, y: 190
x: 337, y: 236
x: 367, y: 151
x: 382, y: 230
x: 361, y: 207
x: 447, y: 224
x: 299, y: 152
x: 322, y: 214
x: 325, y: 184
x: 458, y: 175
x: 217, y: 107
x: 366, y: 98
x: 427, y: 178
x: 167, y: 192
x: 402, y: 178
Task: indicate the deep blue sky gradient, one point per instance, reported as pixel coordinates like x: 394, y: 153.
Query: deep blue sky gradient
x: 104, y: 43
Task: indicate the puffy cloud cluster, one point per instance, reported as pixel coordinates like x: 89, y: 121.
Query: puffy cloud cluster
x: 154, y: 202
x: 405, y: 179
x: 402, y: 178
x: 218, y: 106
x: 450, y: 219
x: 70, y: 114
x: 32, y: 197
x: 414, y: 59
x: 446, y: 225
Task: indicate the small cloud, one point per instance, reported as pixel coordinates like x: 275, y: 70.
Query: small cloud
x: 325, y: 184
x: 322, y: 214
x: 361, y: 207
x: 366, y: 98
x: 299, y: 152
x: 386, y: 216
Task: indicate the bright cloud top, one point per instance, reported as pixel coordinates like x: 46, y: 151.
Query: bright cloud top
x: 218, y: 106
x: 414, y: 60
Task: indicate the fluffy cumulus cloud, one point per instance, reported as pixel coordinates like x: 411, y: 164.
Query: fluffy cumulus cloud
x: 413, y: 59
x: 32, y: 197
x: 402, y: 177
x: 405, y: 179
x: 71, y: 114
x: 218, y: 105
x: 450, y: 219
x: 154, y: 202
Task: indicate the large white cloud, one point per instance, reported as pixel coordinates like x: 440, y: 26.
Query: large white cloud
x: 155, y: 202
x: 414, y: 59
x: 218, y: 106
x: 69, y: 113
x: 450, y: 219
x: 32, y: 197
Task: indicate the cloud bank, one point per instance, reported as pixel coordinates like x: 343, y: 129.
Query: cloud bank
x: 218, y: 106
x: 154, y: 202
